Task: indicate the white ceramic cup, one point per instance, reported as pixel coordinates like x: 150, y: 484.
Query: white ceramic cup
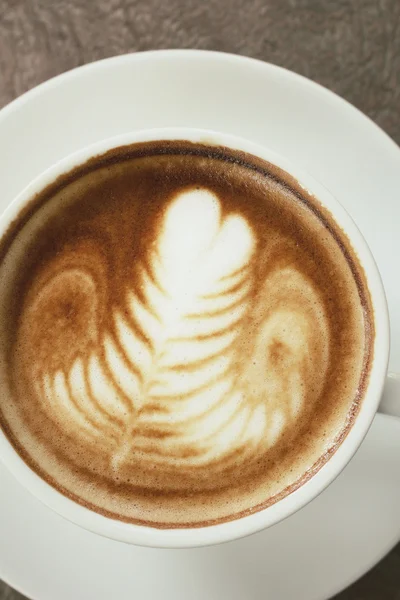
x: 192, y: 537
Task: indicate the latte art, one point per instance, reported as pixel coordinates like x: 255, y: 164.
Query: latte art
x: 180, y: 352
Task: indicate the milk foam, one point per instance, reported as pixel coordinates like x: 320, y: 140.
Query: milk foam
x: 195, y: 365
x: 196, y: 290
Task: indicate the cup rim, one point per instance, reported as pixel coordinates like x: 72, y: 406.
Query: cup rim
x: 266, y: 517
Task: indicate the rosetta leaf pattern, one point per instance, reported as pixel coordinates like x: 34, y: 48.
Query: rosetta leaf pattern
x: 196, y: 290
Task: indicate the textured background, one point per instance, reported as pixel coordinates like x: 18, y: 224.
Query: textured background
x: 350, y: 46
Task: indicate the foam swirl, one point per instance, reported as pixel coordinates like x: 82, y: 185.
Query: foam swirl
x: 170, y: 381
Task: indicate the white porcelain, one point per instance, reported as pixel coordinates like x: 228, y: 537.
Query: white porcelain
x: 265, y: 104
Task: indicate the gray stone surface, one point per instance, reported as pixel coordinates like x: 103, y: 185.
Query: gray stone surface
x: 350, y: 46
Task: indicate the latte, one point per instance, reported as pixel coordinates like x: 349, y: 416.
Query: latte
x: 186, y: 334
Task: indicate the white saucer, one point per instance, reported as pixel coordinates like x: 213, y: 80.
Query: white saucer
x: 355, y: 522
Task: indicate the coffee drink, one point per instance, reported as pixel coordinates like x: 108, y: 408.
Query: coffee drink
x: 186, y: 334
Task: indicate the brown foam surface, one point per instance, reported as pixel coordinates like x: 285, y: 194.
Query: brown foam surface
x: 187, y: 334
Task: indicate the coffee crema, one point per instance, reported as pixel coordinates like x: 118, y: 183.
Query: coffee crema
x: 187, y: 334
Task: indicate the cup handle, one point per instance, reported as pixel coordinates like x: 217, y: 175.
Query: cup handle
x: 390, y: 401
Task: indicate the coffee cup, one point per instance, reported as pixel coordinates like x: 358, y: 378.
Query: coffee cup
x: 321, y: 473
